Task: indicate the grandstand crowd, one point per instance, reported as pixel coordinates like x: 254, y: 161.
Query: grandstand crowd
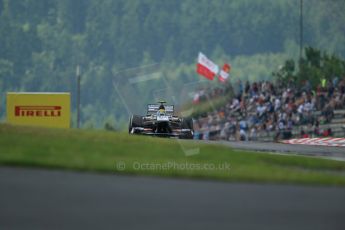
x: 263, y: 108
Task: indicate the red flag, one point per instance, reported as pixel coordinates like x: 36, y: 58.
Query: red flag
x: 224, y: 73
x: 206, y: 67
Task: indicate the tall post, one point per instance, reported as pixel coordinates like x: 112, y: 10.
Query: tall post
x: 78, y: 96
x: 301, y: 31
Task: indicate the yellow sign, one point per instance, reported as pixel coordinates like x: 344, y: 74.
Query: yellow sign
x: 39, y: 109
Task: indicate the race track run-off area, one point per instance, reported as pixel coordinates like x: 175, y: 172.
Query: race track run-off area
x: 42, y: 199
x: 293, y: 148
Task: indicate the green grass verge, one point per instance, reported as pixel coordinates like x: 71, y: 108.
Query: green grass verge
x: 102, y: 151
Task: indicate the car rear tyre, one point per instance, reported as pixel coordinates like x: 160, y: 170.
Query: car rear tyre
x: 187, y: 123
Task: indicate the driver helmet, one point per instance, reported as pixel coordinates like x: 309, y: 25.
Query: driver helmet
x: 161, y: 109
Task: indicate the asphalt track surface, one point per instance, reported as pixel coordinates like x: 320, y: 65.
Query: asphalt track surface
x: 328, y: 152
x: 41, y: 199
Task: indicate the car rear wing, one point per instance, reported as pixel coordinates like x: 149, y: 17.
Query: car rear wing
x: 153, y: 108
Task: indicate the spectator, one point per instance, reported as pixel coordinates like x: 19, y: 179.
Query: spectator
x: 243, y: 130
x: 265, y: 107
x: 253, y: 133
x: 304, y: 134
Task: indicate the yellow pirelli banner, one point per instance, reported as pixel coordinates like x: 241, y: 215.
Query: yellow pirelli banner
x: 39, y: 109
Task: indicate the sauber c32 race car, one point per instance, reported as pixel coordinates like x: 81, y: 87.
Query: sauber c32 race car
x: 160, y: 121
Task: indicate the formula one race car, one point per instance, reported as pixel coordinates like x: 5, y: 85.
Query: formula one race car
x: 160, y: 121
